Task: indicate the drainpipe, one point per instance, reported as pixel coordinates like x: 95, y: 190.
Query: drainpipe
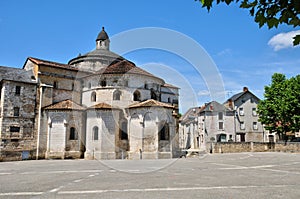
x: 234, y: 123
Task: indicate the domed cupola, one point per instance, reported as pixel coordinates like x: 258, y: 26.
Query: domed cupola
x: 99, y: 58
x: 102, y: 41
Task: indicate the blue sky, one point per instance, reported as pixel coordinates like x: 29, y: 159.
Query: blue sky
x: 244, y: 54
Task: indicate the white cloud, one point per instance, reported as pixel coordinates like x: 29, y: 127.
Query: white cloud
x: 225, y: 52
x: 283, y: 40
x: 203, y: 93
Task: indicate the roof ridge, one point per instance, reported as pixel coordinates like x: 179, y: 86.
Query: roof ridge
x: 102, y: 105
x: 51, y: 63
x: 150, y: 102
x: 65, y: 104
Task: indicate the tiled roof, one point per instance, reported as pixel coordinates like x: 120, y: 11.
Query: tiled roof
x: 170, y: 85
x: 102, y: 106
x: 123, y: 67
x: 52, y: 64
x: 16, y: 74
x: 150, y: 103
x: 64, y: 105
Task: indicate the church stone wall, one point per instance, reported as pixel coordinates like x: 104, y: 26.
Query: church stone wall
x: 116, y: 83
x: 107, y: 122
x: 145, y: 124
x: 57, y: 136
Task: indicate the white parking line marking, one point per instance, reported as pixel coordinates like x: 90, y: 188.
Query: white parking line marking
x: 171, y: 189
x: 282, y: 171
x: 144, y: 190
x: 21, y: 194
x: 5, y: 173
x: 230, y: 166
x: 58, y: 172
x: 77, y: 180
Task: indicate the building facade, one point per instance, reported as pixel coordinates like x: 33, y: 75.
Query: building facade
x: 247, y: 126
x: 97, y: 106
x: 200, y: 126
x: 234, y: 121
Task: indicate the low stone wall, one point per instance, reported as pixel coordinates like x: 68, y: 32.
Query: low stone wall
x: 238, y: 147
x: 287, y: 147
x: 16, y: 155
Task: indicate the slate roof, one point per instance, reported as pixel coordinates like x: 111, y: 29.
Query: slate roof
x: 102, y: 106
x: 238, y: 95
x: 96, y: 55
x: 195, y: 111
x: 65, y: 105
x: 100, y: 53
x: 150, y: 103
x: 102, y: 35
x: 51, y: 63
x: 214, y: 106
x: 16, y: 74
x: 190, y: 113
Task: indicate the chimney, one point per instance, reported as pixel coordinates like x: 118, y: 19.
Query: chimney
x: 245, y: 89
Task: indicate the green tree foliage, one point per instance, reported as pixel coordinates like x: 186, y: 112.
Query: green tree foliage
x: 280, y: 109
x: 269, y: 12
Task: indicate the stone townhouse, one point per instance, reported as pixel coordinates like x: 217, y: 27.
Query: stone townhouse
x: 234, y: 121
x: 17, y: 112
x: 216, y: 124
x: 247, y: 126
x: 189, y: 129
x: 212, y: 122
x: 97, y: 106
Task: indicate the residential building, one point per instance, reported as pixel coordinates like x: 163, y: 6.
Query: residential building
x: 234, y: 121
x: 247, y: 126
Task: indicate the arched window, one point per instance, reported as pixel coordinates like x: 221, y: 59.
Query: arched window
x: 126, y: 83
x: 73, y: 135
x: 55, y: 84
x: 93, y: 97
x: 123, y: 131
x: 164, y: 132
x: 136, y: 96
x: 117, y: 95
x: 153, y: 94
x: 103, y: 82
x: 95, y: 133
x: 147, y: 117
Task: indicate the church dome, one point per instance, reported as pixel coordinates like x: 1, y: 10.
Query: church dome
x: 98, y: 58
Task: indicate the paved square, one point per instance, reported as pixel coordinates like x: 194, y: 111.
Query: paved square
x: 241, y: 175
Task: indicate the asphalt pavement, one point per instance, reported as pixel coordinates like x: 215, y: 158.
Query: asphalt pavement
x: 240, y: 175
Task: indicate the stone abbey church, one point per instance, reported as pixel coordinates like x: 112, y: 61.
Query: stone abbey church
x: 97, y: 106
